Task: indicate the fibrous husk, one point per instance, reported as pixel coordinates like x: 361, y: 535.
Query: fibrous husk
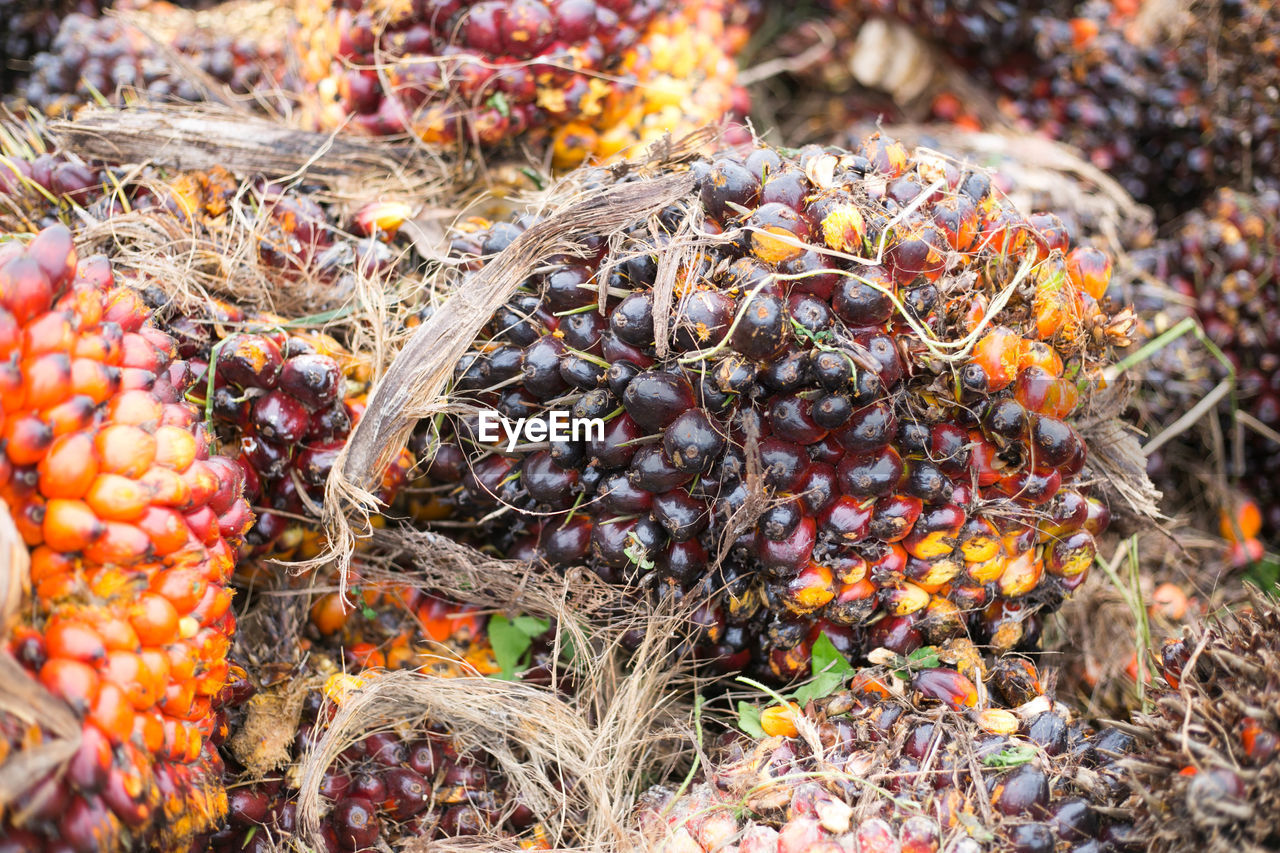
x: 577, y: 758
x: 1208, y: 775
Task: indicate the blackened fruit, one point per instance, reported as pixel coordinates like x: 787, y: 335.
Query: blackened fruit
x: 542, y: 367
x: 313, y: 380
x: 653, y: 471
x: 762, y: 326
x: 654, y: 399
x: 692, y: 442
x: 632, y: 320
x: 862, y: 298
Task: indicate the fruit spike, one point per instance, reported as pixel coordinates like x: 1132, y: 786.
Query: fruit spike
x: 1210, y: 747
x: 1224, y: 258
x: 885, y: 770
x: 393, y: 786
x: 590, y: 78
x: 132, y: 527
x: 911, y: 417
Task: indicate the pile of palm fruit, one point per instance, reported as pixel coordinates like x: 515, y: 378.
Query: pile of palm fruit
x: 858, y: 413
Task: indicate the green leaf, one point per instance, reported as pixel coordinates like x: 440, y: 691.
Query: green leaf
x: 1014, y: 756
x: 511, y: 640
x: 499, y: 102
x: 825, y: 656
x: 830, y: 671
x: 749, y: 719
x: 1264, y: 574
x: 925, y: 657
x: 531, y: 625
x: 823, y: 684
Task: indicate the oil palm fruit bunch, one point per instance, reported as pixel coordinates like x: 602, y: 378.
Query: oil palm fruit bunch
x: 878, y: 352
x: 1222, y: 260
x: 284, y: 399
x: 29, y: 28
x: 103, y: 57
x: 1168, y: 114
x: 393, y: 786
x: 1185, y: 127
x: 1209, y: 762
x: 914, y: 762
x: 132, y: 526
x: 599, y: 75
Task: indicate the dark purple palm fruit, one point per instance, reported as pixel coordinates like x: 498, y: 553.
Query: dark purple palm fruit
x: 1126, y: 89
x: 287, y: 399
x: 800, y: 370
x: 105, y: 57
x: 29, y: 29
x: 579, y: 77
x: 392, y: 787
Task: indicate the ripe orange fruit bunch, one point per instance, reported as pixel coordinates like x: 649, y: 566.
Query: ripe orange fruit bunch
x: 132, y: 526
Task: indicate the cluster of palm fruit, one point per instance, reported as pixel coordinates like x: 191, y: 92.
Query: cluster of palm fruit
x: 29, y: 28
x: 36, y: 187
x: 400, y: 627
x: 880, y: 767
x: 281, y: 398
x: 1222, y: 259
x: 599, y: 76
x: 96, y: 57
x: 392, y: 786
x: 132, y: 527
x: 1209, y: 763
x: 881, y: 347
x: 286, y: 399
x: 1169, y: 116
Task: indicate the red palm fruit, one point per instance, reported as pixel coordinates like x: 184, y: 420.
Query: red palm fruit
x: 451, y: 73
x: 102, y: 541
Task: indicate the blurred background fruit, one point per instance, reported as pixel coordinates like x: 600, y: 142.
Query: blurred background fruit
x: 1209, y: 754
x: 585, y: 79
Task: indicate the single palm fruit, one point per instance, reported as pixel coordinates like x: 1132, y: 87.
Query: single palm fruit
x: 1221, y: 260
x: 1210, y: 749
x: 876, y: 355
x: 132, y: 526
x: 601, y: 75
x: 881, y: 767
x: 396, y: 785
x: 95, y: 57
